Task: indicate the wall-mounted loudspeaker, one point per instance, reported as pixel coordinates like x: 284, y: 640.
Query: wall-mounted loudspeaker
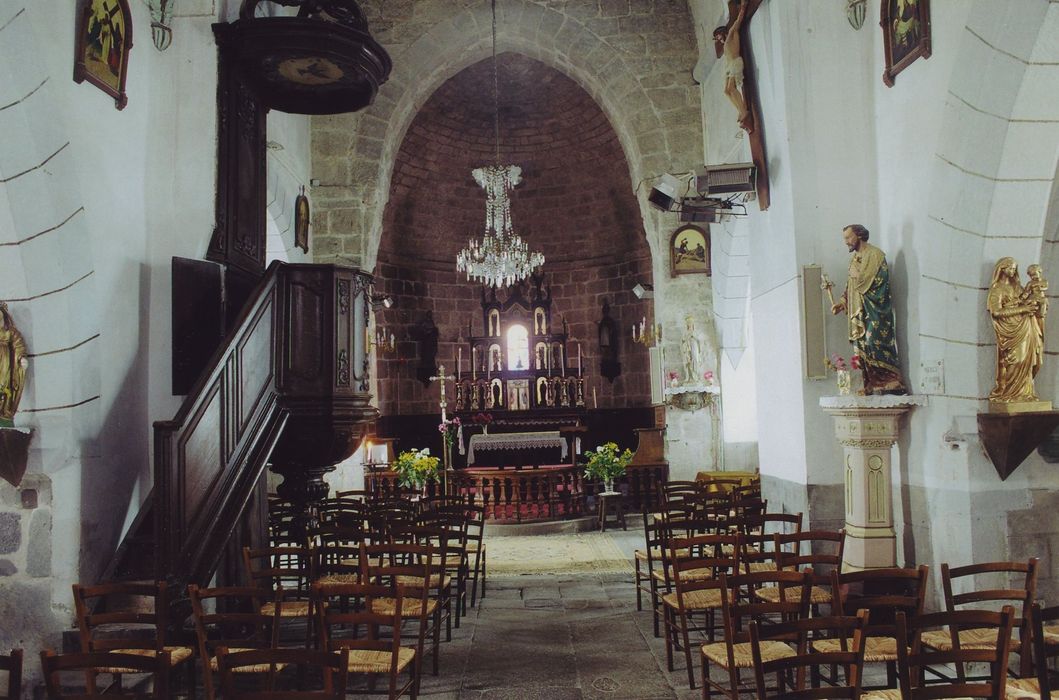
x: 813, y: 329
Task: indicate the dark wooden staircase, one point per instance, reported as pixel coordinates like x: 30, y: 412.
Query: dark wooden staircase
x: 286, y: 389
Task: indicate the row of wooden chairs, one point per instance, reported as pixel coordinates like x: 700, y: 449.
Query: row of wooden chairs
x: 345, y: 515
x: 328, y: 671
x: 684, y: 582
x: 397, y: 585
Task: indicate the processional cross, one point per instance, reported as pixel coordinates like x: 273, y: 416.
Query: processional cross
x: 442, y: 377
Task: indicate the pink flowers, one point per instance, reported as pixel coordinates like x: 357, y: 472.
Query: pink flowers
x: 855, y: 361
x: 708, y: 376
x: 838, y: 363
x: 672, y: 375
x: 452, y: 424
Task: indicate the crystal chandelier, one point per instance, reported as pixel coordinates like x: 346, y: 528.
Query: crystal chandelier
x: 501, y: 258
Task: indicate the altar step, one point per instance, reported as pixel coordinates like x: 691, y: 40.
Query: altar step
x: 541, y: 527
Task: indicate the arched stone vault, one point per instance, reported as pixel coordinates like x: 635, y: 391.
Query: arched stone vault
x: 634, y: 58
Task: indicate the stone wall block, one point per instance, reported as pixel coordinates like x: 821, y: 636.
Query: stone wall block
x: 10, y: 533
x: 38, y: 553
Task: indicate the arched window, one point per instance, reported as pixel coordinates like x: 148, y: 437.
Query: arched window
x: 517, y: 347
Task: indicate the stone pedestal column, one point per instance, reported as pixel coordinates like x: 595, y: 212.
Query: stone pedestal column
x: 867, y: 427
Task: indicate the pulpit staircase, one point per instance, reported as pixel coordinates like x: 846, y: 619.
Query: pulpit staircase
x: 286, y: 388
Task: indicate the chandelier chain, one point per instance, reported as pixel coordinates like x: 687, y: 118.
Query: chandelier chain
x: 496, y: 92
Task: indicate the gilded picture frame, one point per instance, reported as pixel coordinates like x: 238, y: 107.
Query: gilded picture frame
x: 104, y: 39
x: 906, y: 34
x: 689, y: 251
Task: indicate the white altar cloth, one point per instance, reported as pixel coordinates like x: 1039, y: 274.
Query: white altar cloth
x: 516, y: 441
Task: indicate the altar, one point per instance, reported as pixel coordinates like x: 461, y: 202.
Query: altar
x: 517, y: 449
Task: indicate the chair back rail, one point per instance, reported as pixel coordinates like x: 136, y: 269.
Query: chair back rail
x: 911, y: 659
x: 12, y: 664
x: 797, y: 675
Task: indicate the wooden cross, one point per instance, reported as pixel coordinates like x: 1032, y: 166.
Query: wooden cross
x: 442, y: 377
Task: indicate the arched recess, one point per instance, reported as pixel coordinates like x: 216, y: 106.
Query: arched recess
x: 575, y: 205
x: 635, y: 62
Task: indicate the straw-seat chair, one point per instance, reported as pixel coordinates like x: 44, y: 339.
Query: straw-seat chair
x: 740, y: 608
x: 915, y: 658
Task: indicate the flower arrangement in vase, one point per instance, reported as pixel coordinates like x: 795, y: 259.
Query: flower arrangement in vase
x: 674, y: 380
x: 416, y: 468
x: 606, y: 464
x: 848, y: 381
x: 483, y: 419
x: 450, y: 429
x: 707, y: 377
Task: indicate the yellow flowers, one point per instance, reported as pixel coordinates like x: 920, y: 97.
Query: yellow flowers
x: 416, y: 467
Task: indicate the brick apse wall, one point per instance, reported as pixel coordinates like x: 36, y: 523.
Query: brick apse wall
x: 575, y: 204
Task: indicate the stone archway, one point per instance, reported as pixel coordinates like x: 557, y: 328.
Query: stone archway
x: 634, y: 60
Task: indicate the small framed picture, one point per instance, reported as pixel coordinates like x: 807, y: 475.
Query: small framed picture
x: 689, y: 251
x: 301, y: 222
x: 906, y: 34
x: 104, y: 38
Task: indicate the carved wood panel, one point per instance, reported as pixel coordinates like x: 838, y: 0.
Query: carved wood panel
x: 201, y: 452
x: 256, y: 364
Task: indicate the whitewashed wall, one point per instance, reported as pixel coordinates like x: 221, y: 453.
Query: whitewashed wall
x: 950, y: 169
x: 86, y: 238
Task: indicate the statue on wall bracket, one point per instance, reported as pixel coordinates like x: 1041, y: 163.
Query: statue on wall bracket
x: 426, y: 332
x: 869, y: 307
x: 607, y: 329
x: 1018, y: 314
x: 14, y: 359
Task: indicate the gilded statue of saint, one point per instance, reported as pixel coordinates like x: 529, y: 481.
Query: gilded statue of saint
x: 869, y: 307
x: 1018, y: 319
x: 13, y: 363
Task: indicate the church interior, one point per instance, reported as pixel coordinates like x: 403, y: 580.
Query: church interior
x: 292, y: 331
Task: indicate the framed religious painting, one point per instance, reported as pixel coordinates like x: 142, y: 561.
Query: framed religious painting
x: 104, y: 38
x: 906, y: 34
x: 689, y: 251
x: 301, y: 221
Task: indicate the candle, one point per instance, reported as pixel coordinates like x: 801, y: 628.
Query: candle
x: 474, y: 363
x: 579, y: 359
x: 459, y: 360
x: 367, y: 451
x: 393, y: 342
x: 595, y: 404
x: 634, y: 331
x: 562, y: 361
